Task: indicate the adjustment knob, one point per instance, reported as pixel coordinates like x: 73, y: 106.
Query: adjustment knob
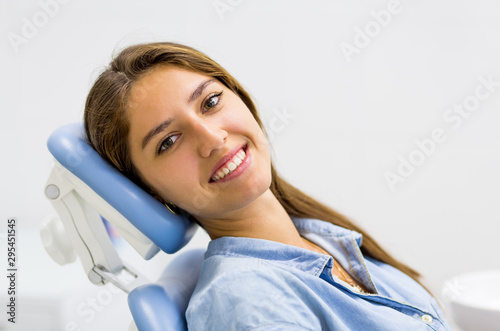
x: 55, y: 240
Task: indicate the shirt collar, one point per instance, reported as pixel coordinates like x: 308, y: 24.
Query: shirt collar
x: 333, y: 238
x: 307, y: 226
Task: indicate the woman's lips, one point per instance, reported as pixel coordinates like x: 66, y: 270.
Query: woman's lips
x: 226, y: 158
x: 235, y: 162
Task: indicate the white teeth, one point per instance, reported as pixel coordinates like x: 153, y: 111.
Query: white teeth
x: 231, y: 166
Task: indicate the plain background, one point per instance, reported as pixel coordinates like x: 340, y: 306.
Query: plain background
x: 351, y: 119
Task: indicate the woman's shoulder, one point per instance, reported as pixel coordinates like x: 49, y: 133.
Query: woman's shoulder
x: 236, y: 292
x: 226, y: 271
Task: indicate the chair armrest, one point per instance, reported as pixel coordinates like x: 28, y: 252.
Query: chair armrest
x: 161, y: 306
x: 153, y: 310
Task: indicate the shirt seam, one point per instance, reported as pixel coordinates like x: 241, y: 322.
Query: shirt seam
x: 316, y: 271
x: 319, y: 229
x: 405, y: 304
x: 346, y: 254
x: 364, y: 265
x: 276, y: 324
x: 431, y: 325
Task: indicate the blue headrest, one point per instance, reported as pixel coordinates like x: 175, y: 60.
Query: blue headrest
x: 167, y: 231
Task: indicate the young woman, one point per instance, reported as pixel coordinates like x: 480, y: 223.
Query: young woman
x: 184, y: 129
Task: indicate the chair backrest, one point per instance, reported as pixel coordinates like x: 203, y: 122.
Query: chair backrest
x: 70, y: 148
x: 95, y: 183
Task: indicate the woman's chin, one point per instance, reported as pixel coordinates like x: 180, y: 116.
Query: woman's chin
x: 240, y: 203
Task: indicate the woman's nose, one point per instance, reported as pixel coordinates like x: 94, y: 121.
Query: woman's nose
x: 210, y: 137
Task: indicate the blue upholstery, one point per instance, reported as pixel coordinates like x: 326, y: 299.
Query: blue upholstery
x: 161, y: 306
x: 167, y: 231
x: 155, y: 307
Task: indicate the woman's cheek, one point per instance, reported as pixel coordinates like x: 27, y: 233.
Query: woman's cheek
x: 196, y: 201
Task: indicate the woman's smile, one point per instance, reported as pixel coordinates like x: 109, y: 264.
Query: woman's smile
x: 233, y: 165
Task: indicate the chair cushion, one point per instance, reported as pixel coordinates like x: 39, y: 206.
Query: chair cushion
x: 70, y: 148
x: 162, y: 306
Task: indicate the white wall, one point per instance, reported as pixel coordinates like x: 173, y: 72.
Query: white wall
x: 353, y: 117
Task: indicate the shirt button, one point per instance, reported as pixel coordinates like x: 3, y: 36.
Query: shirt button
x: 426, y: 318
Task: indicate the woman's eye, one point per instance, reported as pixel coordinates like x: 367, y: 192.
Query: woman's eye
x: 212, y: 101
x: 167, y: 143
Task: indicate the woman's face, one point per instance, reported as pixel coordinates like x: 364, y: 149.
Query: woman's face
x: 196, y: 144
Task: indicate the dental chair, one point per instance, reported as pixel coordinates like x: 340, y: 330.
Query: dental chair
x: 84, y: 189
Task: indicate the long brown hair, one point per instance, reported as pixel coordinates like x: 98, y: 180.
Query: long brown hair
x: 107, y: 129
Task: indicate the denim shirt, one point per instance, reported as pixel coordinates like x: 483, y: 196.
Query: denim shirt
x: 256, y: 284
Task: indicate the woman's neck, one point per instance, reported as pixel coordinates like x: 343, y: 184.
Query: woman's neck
x: 265, y: 218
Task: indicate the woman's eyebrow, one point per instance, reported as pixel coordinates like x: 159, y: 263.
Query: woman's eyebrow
x: 164, y: 125
x: 156, y: 130
x: 199, y: 90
